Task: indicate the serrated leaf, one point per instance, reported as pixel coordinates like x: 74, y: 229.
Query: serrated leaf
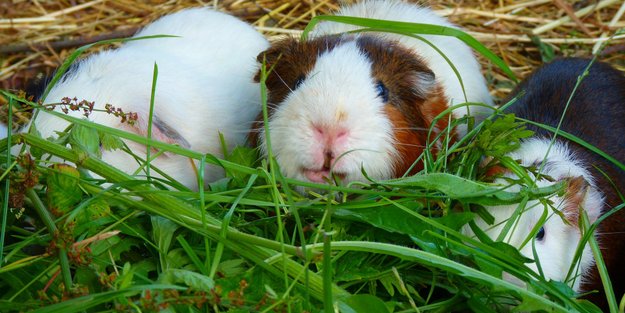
x: 110, y: 142
x: 162, y: 233
x: 85, y: 139
x: 191, y: 279
x: 63, y: 192
x: 230, y: 268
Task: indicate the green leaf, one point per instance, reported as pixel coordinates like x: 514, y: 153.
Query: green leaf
x: 63, y: 192
x: 110, y: 142
x: 389, y: 218
x: 125, y: 279
x: 362, y: 304
x: 162, y: 233
x: 85, y: 139
x: 191, y: 279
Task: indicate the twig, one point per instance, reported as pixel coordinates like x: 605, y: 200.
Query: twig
x: 521, y: 5
x: 51, y: 16
x: 68, y: 43
x: 613, y: 22
x: 568, y: 9
x: 582, y: 12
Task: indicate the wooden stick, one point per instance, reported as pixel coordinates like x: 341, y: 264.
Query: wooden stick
x: 568, y: 9
x: 69, y: 43
x: 613, y: 22
x: 582, y: 12
x: 51, y: 16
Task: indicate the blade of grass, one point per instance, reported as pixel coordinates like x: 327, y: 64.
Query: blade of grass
x: 150, y: 118
x: 415, y: 28
x: 7, y: 183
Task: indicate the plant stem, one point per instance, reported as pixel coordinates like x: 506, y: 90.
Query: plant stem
x: 61, y: 249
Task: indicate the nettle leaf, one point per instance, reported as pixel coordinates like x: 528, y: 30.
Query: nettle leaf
x: 85, y: 139
x: 501, y: 136
x: 191, y: 279
x: 163, y: 233
x: 243, y: 155
x: 110, y: 142
x: 96, y: 209
x: 34, y: 151
x: 177, y: 258
x: 231, y: 268
x: 362, y: 304
x: 63, y: 192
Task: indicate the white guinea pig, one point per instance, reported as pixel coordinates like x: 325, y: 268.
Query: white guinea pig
x: 345, y: 102
x: 205, y: 86
x: 557, y: 240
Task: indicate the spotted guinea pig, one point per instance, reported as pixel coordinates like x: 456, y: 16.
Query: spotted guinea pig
x: 596, y: 114
x: 341, y: 103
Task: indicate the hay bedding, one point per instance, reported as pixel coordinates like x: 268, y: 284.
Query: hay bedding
x: 36, y: 35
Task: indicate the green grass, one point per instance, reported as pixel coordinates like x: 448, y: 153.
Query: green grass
x: 249, y: 242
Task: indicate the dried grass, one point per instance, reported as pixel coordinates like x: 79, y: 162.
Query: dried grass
x: 36, y: 35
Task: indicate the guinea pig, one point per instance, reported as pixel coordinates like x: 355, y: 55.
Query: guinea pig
x: 557, y: 239
x: 344, y: 102
x: 205, y: 86
x: 596, y: 114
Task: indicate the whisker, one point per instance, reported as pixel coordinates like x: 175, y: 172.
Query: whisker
x: 282, y: 80
x: 409, y: 145
x: 411, y: 128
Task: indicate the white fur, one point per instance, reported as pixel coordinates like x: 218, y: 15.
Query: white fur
x: 3, y: 131
x: 205, y: 86
x: 315, y: 102
x: 458, y: 53
x: 559, y: 245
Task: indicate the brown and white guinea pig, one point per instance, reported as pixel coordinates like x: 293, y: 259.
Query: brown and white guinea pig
x: 344, y: 102
x: 205, y: 86
x: 595, y: 114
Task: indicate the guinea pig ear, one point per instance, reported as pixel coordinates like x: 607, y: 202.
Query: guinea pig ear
x: 580, y: 195
x: 272, y: 55
x: 434, y: 99
x: 424, y: 83
x: 161, y: 131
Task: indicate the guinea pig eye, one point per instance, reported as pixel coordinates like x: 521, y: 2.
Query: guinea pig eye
x: 541, y: 234
x: 298, y: 81
x: 382, y: 91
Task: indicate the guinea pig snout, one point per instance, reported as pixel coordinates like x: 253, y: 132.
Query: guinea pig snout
x: 329, y: 143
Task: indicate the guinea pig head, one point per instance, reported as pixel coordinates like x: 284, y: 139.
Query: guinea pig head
x: 554, y: 222
x: 340, y: 104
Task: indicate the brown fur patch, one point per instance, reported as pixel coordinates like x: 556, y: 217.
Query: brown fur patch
x: 409, y: 144
x: 575, y: 194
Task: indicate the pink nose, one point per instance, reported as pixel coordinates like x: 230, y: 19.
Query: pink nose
x: 330, y: 142
x: 330, y: 135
